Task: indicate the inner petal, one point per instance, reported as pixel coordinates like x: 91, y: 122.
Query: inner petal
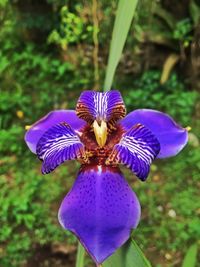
x: 137, y: 149
x: 107, y: 106
x: 36, y: 131
x: 101, y: 209
x: 58, y: 144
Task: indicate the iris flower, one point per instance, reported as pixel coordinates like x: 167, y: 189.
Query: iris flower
x: 101, y: 209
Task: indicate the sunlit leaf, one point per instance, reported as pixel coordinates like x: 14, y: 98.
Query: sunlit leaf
x: 124, y: 16
x: 129, y: 255
x: 190, y: 257
x: 168, y: 66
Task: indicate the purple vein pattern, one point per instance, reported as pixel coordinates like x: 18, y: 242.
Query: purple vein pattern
x: 137, y: 149
x: 58, y: 144
x: 101, y: 209
x: 100, y: 106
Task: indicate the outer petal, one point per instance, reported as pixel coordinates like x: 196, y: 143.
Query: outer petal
x: 58, y: 144
x: 137, y: 149
x: 33, y: 135
x: 171, y: 136
x: 101, y: 209
x: 100, y: 106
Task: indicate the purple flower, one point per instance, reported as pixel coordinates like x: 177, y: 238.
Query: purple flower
x: 101, y: 209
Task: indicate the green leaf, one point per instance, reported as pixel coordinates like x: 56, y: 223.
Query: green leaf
x: 190, y: 257
x: 129, y: 255
x: 80, y: 256
x: 124, y: 16
x: 194, y: 10
x: 165, y: 15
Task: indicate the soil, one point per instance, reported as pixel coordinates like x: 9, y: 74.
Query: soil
x: 46, y: 257
x: 57, y: 255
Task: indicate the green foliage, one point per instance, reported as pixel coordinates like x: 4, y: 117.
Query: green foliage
x: 38, y: 76
x: 190, y: 257
x: 171, y: 97
x: 23, y: 217
x: 129, y: 255
x: 163, y: 28
x: 124, y: 17
x: 3, y: 3
x: 194, y: 8
x: 10, y: 139
x: 182, y: 31
x: 71, y: 29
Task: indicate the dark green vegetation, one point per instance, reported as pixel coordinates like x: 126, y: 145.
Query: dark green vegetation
x: 46, y: 59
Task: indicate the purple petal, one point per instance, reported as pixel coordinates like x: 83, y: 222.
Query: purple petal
x: 38, y: 129
x: 100, y: 106
x: 58, y: 144
x: 101, y: 209
x: 137, y: 149
x: 171, y: 136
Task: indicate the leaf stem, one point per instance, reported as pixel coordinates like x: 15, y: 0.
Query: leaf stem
x: 80, y: 256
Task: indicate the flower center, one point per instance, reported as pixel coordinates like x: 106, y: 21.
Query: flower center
x: 98, y: 146
x: 100, y: 132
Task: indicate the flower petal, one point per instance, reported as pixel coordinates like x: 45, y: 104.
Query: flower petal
x: 101, y: 209
x: 137, y: 149
x: 58, y: 144
x: 33, y: 135
x: 171, y: 136
x: 100, y: 106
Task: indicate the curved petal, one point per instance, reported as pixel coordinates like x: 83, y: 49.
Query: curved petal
x: 33, y: 135
x: 58, y: 144
x: 137, y: 149
x: 108, y: 106
x: 171, y: 136
x: 101, y: 209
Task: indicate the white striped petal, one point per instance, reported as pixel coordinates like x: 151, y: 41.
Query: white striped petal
x: 58, y: 144
x: 137, y: 149
x: 100, y: 106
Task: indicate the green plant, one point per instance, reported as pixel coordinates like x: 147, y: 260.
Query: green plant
x: 169, y: 31
x: 119, y: 36
x: 190, y: 257
x: 22, y: 215
x: 72, y: 29
x: 182, y: 31
x: 171, y: 97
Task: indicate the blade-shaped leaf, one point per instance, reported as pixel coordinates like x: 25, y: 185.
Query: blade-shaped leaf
x: 170, y: 62
x: 166, y: 16
x: 129, y: 255
x: 194, y: 10
x: 124, y: 16
x: 190, y: 257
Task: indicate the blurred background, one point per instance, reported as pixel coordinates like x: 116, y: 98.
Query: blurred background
x: 49, y: 53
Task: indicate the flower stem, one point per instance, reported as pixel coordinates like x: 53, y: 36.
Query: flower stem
x: 80, y: 256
